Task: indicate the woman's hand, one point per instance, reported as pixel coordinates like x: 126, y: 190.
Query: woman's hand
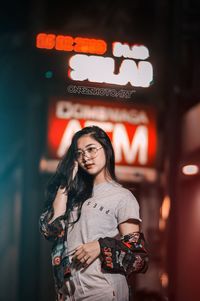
x: 59, y: 204
x: 85, y: 254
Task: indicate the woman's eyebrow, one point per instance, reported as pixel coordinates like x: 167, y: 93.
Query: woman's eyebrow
x: 87, y: 145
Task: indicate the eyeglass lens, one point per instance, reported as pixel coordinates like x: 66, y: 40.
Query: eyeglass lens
x: 90, y: 152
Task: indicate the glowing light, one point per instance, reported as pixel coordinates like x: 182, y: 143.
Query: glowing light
x: 102, y: 70
x: 165, y: 209
x: 68, y: 43
x: 139, y: 52
x: 64, y: 43
x: 46, y: 41
x: 97, y: 68
x: 145, y: 74
x: 49, y: 74
x: 164, y: 279
x: 162, y: 224
x: 138, y: 146
x: 72, y: 127
x: 190, y: 169
x: 131, y: 130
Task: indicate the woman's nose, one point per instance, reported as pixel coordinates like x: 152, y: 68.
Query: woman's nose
x: 84, y: 157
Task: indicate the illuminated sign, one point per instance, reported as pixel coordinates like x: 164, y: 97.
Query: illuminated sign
x: 131, y: 130
x: 91, y: 63
x: 102, y: 70
x: 68, y: 43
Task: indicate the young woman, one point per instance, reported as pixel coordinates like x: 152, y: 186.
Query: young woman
x: 93, y: 222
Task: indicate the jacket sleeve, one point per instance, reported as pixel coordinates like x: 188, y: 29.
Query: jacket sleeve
x: 54, y: 230
x: 127, y: 255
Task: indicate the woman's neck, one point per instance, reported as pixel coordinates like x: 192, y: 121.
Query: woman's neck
x: 102, y: 179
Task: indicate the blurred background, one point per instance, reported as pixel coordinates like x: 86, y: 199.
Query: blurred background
x: 133, y: 68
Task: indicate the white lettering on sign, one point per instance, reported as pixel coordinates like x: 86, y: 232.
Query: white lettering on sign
x: 102, y: 70
x: 72, y: 127
x: 68, y: 110
x: 139, y: 52
x: 138, y: 147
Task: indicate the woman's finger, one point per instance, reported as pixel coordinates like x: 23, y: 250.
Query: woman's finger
x: 78, y: 251
x: 81, y: 256
x: 88, y: 262
x: 79, y: 247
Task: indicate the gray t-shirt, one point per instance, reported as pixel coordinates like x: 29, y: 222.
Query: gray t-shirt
x: 110, y: 205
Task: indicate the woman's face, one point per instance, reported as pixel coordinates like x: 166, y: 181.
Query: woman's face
x: 91, y: 157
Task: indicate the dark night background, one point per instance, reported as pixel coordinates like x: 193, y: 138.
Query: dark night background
x: 171, y: 30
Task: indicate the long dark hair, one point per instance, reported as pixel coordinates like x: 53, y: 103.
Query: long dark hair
x: 79, y: 189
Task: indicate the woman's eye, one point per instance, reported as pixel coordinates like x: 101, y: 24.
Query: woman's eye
x: 91, y: 149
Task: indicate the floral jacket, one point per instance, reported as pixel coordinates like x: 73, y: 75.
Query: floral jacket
x: 125, y: 256
x: 56, y: 233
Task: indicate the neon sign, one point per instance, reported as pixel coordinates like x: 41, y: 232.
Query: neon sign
x: 102, y: 70
x: 90, y: 63
x: 68, y: 43
x: 131, y: 130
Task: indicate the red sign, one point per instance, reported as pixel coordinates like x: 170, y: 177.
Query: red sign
x: 68, y: 43
x: 132, y: 129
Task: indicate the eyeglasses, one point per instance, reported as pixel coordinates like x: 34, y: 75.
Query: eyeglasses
x: 90, y: 152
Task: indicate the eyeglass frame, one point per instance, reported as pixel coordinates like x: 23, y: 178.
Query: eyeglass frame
x: 83, y: 152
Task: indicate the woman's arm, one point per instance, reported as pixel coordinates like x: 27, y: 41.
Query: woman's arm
x: 128, y: 227
x: 126, y: 255
x: 51, y: 222
x: 112, y: 250
x: 123, y: 255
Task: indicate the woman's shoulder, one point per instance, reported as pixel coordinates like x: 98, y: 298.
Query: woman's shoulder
x: 126, y: 192
x: 127, y: 206
x: 114, y: 191
x: 123, y: 196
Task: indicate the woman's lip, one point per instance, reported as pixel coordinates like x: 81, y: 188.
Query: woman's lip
x: 89, y: 165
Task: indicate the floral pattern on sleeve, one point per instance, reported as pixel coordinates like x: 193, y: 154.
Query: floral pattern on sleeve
x: 56, y: 232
